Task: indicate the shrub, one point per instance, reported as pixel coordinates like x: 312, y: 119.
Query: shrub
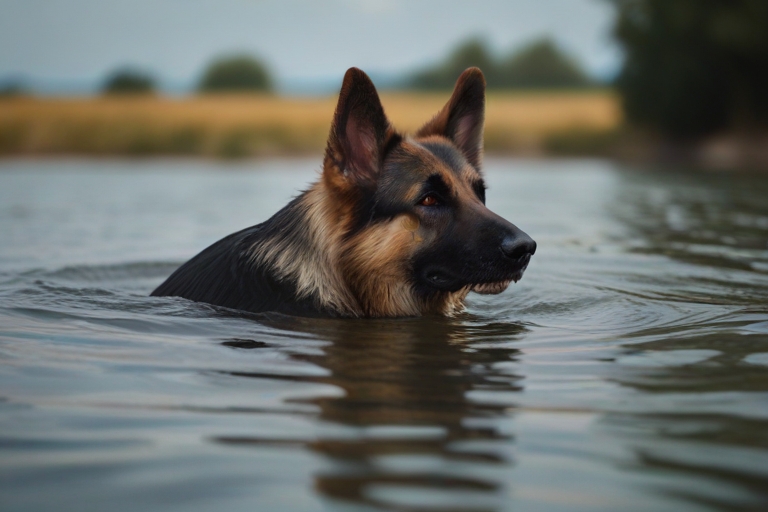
x: 11, y: 89
x: 236, y: 73
x: 128, y: 81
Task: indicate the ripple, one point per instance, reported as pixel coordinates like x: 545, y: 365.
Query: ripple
x: 107, y: 273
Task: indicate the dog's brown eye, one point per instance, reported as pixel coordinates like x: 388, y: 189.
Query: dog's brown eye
x: 428, y: 200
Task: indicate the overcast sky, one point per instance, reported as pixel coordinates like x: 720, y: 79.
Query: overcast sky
x: 309, y: 41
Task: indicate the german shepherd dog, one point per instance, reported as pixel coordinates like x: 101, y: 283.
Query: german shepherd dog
x: 396, y: 225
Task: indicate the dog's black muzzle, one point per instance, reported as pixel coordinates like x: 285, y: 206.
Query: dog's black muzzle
x: 498, y: 252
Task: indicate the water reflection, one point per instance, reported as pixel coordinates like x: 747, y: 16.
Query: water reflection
x: 706, y: 363
x: 404, y: 389
x: 705, y: 429
x: 716, y: 220
x: 700, y: 397
x: 698, y: 453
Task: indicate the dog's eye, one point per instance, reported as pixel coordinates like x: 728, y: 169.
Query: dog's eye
x: 429, y: 200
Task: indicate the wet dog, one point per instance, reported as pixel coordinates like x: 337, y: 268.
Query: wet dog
x: 396, y: 226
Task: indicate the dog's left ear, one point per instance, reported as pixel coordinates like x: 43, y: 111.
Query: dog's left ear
x: 360, y: 131
x: 461, y: 119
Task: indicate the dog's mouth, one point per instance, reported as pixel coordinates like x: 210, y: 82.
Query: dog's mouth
x: 495, y: 287
x: 445, y: 280
x: 492, y: 288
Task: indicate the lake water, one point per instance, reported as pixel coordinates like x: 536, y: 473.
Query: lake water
x: 628, y: 370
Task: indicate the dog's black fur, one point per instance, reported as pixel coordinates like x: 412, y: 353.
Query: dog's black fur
x: 396, y: 226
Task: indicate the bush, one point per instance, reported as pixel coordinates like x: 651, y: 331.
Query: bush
x: 128, y: 81
x: 236, y: 73
x: 12, y: 89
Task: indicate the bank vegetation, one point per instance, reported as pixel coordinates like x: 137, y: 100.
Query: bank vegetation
x: 246, y: 125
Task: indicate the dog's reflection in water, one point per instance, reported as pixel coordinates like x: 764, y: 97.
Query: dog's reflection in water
x: 405, y: 387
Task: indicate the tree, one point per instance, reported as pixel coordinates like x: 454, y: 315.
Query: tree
x: 128, y: 81
x: 694, y: 67
x: 443, y: 76
x: 236, y: 73
x: 540, y: 64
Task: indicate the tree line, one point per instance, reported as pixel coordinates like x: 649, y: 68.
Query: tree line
x: 228, y: 73
x: 540, y: 64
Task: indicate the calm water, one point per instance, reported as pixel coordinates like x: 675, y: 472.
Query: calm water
x: 628, y: 370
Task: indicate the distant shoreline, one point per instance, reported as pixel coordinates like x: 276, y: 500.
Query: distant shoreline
x: 530, y: 124
x: 242, y: 126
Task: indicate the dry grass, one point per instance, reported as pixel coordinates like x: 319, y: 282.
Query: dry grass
x: 235, y: 126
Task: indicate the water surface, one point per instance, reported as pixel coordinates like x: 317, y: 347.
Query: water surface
x: 628, y: 370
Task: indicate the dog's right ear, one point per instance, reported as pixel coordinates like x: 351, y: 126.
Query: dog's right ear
x: 359, y: 133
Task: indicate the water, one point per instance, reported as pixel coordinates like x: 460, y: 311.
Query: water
x: 628, y: 370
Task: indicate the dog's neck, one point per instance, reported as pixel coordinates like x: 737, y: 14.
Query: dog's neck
x: 301, y: 246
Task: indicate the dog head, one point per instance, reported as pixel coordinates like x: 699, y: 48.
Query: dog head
x: 417, y: 233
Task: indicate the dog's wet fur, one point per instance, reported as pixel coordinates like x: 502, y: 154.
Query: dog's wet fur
x: 396, y: 226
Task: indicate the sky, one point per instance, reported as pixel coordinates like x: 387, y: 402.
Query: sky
x: 306, y: 44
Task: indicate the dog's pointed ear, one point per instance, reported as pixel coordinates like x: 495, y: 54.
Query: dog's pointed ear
x: 461, y: 119
x: 359, y: 133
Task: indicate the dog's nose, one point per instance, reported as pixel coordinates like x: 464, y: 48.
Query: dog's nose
x: 515, y: 247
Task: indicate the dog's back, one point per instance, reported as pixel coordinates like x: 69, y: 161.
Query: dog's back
x: 225, y: 275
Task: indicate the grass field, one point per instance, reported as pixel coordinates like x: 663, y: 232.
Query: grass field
x: 253, y: 125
